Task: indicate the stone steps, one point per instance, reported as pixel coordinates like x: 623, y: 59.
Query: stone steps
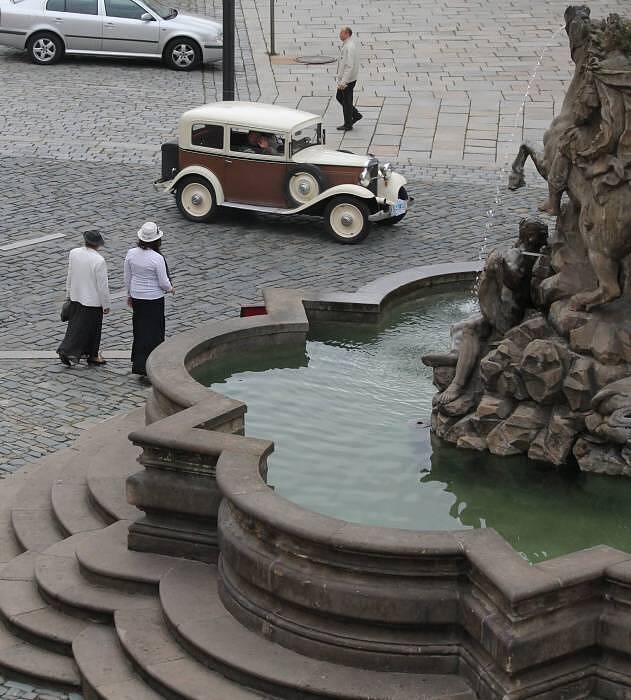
x: 104, y: 668
x: 196, y: 616
x: 26, y: 613
x: 60, y: 580
x: 24, y: 660
x: 167, y: 667
x: 72, y: 510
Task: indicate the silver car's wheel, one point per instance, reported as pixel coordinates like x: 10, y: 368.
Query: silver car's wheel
x: 183, y: 54
x: 196, y: 198
x: 347, y: 219
x: 45, y: 48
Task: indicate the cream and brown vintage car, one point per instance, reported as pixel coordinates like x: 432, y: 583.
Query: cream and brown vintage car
x: 272, y: 159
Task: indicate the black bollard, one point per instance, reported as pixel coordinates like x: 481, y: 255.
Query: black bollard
x: 228, y: 50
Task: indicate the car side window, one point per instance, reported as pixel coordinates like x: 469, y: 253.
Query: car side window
x: 83, y: 7
x: 126, y: 9
x: 258, y: 142
x: 56, y: 6
x: 207, y: 136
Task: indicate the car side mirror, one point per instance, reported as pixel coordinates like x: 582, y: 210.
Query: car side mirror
x: 146, y: 17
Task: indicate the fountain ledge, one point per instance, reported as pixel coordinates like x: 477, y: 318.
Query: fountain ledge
x: 460, y: 602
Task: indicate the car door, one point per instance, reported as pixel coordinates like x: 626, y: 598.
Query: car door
x: 253, y: 178
x: 125, y: 32
x: 78, y: 22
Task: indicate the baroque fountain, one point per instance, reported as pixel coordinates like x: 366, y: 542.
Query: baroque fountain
x: 544, y: 368
x: 191, y: 578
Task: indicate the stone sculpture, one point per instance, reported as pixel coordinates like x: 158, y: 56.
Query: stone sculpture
x: 545, y: 368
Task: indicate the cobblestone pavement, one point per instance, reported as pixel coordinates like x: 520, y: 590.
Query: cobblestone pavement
x: 108, y: 109
x: 215, y: 267
x: 439, y: 80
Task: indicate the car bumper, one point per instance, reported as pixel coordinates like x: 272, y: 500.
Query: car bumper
x: 212, y: 53
x: 386, y: 209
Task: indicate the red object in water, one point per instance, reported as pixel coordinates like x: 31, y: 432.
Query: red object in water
x: 252, y: 310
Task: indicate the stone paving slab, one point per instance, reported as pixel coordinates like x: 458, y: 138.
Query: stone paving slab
x: 448, y: 68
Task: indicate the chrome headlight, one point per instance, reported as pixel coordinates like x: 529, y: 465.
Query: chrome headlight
x: 364, y: 178
x: 386, y: 171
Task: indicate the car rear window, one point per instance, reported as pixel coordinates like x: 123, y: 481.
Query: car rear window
x: 83, y: 7
x: 79, y: 7
x: 207, y: 136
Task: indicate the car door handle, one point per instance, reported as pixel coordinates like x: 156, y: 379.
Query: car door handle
x: 58, y: 19
x: 228, y: 162
x: 110, y: 24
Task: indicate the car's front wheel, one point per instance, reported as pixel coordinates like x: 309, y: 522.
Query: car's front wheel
x: 347, y: 219
x: 183, y: 54
x: 45, y: 48
x: 196, y: 198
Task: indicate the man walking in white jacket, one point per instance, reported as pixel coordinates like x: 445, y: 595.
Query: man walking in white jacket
x: 347, y: 71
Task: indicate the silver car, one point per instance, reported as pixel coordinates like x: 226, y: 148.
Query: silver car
x: 48, y: 29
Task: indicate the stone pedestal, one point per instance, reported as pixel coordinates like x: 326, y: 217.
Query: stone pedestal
x: 177, y: 489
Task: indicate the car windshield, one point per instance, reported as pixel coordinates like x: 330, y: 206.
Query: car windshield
x: 164, y: 11
x: 305, y: 137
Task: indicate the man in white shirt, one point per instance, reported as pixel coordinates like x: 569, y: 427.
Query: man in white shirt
x: 347, y: 72
x: 88, y: 290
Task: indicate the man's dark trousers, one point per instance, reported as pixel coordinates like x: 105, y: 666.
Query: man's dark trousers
x: 345, y: 98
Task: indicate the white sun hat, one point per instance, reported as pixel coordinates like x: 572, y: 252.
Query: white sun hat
x: 150, y: 232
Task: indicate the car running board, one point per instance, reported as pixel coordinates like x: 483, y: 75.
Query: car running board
x: 257, y: 207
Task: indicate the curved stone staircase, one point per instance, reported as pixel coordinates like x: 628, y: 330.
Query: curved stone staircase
x: 80, y: 610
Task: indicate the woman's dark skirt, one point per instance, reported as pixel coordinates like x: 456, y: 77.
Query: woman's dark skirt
x: 83, y: 335
x: 148, y: 324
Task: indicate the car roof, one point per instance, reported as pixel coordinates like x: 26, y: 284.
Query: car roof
x: 252, y: 114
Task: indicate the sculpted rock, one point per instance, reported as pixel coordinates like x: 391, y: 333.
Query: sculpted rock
x: 491, y: 411
x: 554, y: 442
x: 514, y: 435
x: 504, y: 359
x: 536, y: 326
x: 464, y: 427
x: 471, y: 442
x: 606, y: 334
x: 600, y: 458
x: 543, y: 369
x: 580, y: 384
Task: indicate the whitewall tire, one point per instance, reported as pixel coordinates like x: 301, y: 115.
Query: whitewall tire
x: 196, y: 198
x: 347, y: 219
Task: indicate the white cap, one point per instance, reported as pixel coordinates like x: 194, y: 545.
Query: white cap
x: 150, y: 232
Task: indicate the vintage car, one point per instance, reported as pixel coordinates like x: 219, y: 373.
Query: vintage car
x: 48, y: 29
x: 273, y: 159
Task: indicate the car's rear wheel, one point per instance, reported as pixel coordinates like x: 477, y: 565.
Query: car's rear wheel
x: 303, y: 184
x: 196, y: 198
x: 183, y: 54
x: 395, y: 219
x: 45, y: 48
x: 347, y: 219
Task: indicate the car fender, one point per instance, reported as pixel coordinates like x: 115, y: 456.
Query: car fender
x: 43, y: 27
x: 336, y: 191
x: 389, y: 189
x: 182, y: 33
x: 170, y: 185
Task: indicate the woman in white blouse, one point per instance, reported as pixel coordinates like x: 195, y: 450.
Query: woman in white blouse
x: 147, y: 281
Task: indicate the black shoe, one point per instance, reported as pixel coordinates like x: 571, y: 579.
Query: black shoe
x: 343, y: 127
x: 357, y: 118
x: 65, y: 359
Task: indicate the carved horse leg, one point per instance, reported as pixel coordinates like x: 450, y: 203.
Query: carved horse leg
x: 516, y: 177
x: 608, y: 289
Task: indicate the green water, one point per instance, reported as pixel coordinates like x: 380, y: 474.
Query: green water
x: 344, y: 415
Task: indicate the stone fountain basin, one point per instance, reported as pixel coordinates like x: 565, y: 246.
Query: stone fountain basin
x: 441, y: 602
